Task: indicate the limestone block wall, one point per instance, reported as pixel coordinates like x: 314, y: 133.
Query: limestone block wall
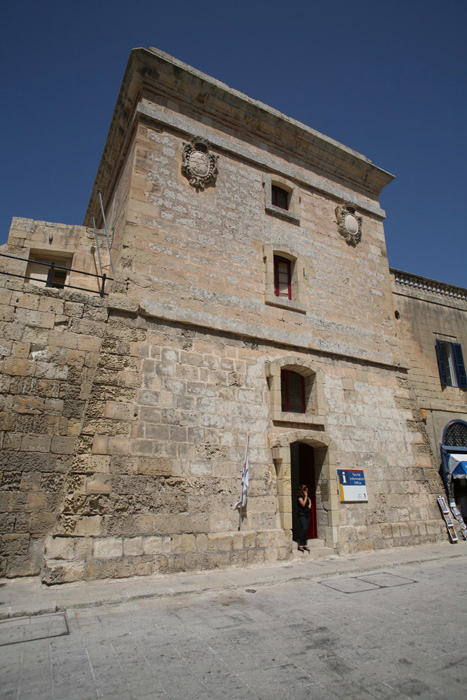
x: 48, y: 239
x: 371, y: 421
x: 124, y: 421
x: 158, y: 466
x: 123, y: 442
x: 115, y: 203
x: 374, y: 419
x: 424, y: 316
x: 49, y: 348
x: 158, y: 463
x: 201, y: 255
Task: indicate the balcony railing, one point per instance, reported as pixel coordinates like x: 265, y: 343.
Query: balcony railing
x: 54, y: 283
x: 407, y: 279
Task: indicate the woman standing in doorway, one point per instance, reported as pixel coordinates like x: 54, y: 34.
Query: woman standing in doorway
x: 304, y: 512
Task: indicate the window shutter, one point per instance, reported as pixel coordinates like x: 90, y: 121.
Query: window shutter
x: 282, y: 277
x: 285, y: 391
x: 460, y: 367
x: 442, y: 370
x: 276, y: 276
x: 293, y: 392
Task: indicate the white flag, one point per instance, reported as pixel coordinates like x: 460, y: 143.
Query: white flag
x: 242, y: 502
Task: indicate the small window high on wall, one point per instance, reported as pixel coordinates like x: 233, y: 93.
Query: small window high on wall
x: 292, y: 392
x: 42, y: 272
x: 282, y: 277
x: 279, y: 197
x: 451, y: 364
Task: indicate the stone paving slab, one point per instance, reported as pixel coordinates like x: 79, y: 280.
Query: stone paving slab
x: 293, y: 639
x: 349, y: 585
x: 27, y: 629
x: 385, y: 580
x: 29, y: 597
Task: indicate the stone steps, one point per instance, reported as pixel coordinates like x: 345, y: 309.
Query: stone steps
x: 318, y: 550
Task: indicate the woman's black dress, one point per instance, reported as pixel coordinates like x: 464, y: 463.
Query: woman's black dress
x: 303, y: 522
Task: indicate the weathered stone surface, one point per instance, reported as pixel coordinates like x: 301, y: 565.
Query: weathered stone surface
x: 125, y: 418
x: 108, y: 548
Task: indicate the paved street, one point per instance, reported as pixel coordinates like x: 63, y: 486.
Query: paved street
x: 396, y: 632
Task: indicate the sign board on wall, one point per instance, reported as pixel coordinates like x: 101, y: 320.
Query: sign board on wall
x: 352, y: 486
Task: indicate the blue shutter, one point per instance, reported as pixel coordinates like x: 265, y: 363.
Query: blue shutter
x: 460, y: 367
x: 442, y: 371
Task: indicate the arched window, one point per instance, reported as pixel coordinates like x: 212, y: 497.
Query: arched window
x: 296, y: 391
x: 292, y: 392
x: 455, y: 434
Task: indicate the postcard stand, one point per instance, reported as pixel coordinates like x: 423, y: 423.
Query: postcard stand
x: 447, y: 519
x: 458, y: 516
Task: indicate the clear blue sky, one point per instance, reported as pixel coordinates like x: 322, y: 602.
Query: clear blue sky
x: 387, y: 78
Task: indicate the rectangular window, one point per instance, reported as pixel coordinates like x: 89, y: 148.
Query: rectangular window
x: 279, y: 197
x: 293, y: 392
x: 451, y: 364
x: 282, y: 277
x: 42, y: 272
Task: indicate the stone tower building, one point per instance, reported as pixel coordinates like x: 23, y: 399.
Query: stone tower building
x: 251, y: 298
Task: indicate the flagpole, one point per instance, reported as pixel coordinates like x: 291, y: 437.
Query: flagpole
x: 241, y: 504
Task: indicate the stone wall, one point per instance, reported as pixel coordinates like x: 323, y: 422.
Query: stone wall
x: 160, y: 457
x: 201, y: 256
x: 429, y: 310
x: 124, y: 436
x: 158, y: 465
x: 49, y: 346
x: 49, y: 240
x: 125, y: 420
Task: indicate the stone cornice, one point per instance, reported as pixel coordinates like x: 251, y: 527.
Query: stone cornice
x: 253, y: 332
x: 441, y: 292
x: 154, y: 68
x: 442, y: 407
x: 258, y: 157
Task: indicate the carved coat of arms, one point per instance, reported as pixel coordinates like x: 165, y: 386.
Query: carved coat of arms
x: 349, y: 224
x: 199, y: 165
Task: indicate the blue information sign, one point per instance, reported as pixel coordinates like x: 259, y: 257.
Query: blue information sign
x: 352, y: 485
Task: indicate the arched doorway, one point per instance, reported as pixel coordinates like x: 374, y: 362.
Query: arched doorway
x: 312, y: 457
x: 303, y: 472
x: 454, y: 464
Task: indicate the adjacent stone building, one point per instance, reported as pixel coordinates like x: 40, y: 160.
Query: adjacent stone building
x: 248, y: 297
x: 432, y: 321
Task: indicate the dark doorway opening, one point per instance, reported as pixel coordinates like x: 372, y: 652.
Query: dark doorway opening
x: 303, y: 472
x: 460, y: 496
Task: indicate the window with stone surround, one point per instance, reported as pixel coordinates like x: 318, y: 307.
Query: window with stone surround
x: 49, y: 269
x: 292, y: 392
x: 296, y: 391
x: 451, y: 363
x: 284, y: 278
x: 281, y: 198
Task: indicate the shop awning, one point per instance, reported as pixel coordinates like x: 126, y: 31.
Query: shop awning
x: 457, y: 466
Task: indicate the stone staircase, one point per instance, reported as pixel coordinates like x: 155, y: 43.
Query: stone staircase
x: 318, y: 550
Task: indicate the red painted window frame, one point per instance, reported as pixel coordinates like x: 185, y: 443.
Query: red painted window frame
x: 278, y: 259
x: 277, y: 195
x: 285, y: 390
